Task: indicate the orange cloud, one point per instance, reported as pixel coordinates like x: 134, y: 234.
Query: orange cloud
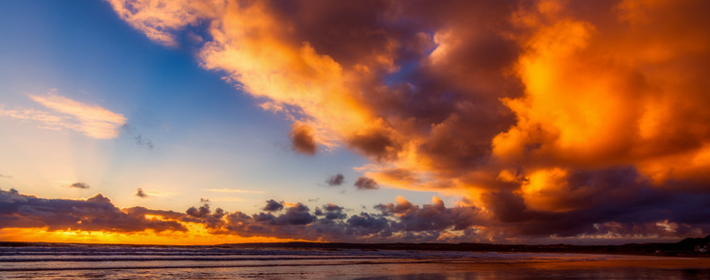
x: 609, y: 91
x: 533, y: 111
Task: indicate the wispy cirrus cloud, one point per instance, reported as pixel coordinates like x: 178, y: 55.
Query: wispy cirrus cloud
x: 224, y: 190
x: 45, y: 120
x: 92, y: 120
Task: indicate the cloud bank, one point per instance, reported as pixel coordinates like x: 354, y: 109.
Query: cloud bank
x: 655, y: 215
x: 93, y: 214
x: 552, y: 118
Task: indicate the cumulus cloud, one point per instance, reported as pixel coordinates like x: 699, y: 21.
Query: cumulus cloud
x: 331, y: 212
x: 302, y: 139
x: 273, y: 205
x: 335, y: 180
x: 140, y: 193
x: 531, y: 110
x: 79, y: 185
x: 93, y: 214
x: 364, y: 183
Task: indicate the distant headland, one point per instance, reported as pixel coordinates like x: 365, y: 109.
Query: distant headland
x: 689, y: 247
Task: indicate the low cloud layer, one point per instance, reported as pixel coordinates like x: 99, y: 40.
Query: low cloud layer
x: 666, y: 217
x: 551, y: 118
x: 93, y: 214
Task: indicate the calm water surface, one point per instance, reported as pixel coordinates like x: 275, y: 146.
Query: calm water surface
x: 141, y: 262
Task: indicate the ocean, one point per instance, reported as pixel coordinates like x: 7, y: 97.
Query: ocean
x: 78, y: 261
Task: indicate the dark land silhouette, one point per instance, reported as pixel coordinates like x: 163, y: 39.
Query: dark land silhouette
x: 689, y: 247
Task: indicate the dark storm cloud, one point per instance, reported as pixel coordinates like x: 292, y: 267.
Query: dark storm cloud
x: 302, y: 139
x: 335, y: 180
x: 364, y: 183
x: 611, y: 201
x: 79, y: 185
x: 94, y: 214
x: 273, y: 205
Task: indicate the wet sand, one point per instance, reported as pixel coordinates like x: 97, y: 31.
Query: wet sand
x: 624, y: 262
x: 126, y: 262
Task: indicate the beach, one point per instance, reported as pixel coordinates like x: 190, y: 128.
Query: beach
x: 215, y: 262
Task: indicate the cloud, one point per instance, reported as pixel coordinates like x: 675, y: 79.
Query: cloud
x: 140, y: 193
x: 545, y: 116
x: 5, y: 176
x: 273, y: 206
x: 335, y: 180
x: 364, y: 183
x: 230, y: 199
x: 332, y: 212
x: 620, y: 216
x: 157, y: 19
x: 93, y: 214
x: 92, y: 120
x: 302, y: 139
x: 232, y: 191
x: 430, y: 217
x: 79, y: 185
x: 140, y: 140
x: 144, y: 142
x: 44, y: 119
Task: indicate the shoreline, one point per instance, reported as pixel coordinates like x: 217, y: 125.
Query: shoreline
x: 683, y: 249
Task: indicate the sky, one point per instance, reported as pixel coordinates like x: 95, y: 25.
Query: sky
x: 224, y: 121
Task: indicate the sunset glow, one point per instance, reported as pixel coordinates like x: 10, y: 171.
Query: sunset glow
x: 209, y: 122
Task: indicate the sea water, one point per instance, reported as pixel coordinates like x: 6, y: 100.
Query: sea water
x: 62, y: 261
